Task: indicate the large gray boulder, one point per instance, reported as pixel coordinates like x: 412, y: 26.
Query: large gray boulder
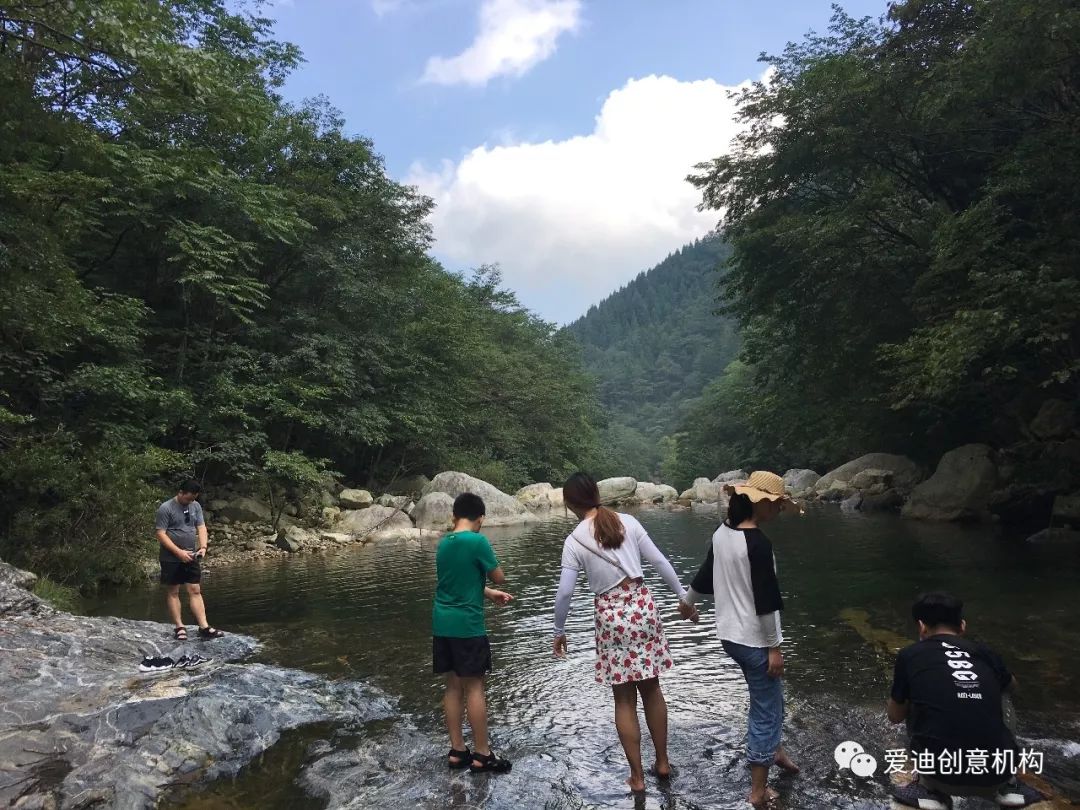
x: 800, y: 482
x: 959, y: 489
x: 540, y: 497
x: 732, y: 477
x: 355, y: 499
x: 362, y: 522
x: 411, y: 485
x: 615, y: 490
x: 434, y: 511
x: 292, y: 539
x: 1055, y: 420
x: 241, y: 510
x: 647, y: 492
x: 905, y: 472
x: 502, y: 509
x: 401, y: 502
x: 704, y: 490
x: 81, y: 727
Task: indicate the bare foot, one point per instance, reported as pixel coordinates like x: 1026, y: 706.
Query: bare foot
x: 636, y: 785
x: 786, y: 764
x: 661, y: 770
x: 762, y: 801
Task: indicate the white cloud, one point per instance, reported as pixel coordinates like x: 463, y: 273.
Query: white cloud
x: 570, y: 221
x: 514, y: 36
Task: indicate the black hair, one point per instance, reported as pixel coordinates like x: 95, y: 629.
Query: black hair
x: 190, y: 485
x: 581, y: 492
x: 939, y: 610
x: 469, y: 507
x: 740, y: 508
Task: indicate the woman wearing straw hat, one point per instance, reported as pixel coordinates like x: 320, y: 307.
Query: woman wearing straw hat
x: 741, y: 573
x: 631, y: 649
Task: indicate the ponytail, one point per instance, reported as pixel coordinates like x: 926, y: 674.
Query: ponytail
x: 581, y: 492
x: 608, y: 529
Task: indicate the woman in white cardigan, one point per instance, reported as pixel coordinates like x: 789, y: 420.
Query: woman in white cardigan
x: 631, y: 649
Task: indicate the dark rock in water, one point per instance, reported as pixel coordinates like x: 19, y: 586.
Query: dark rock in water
x: 1022, y: 505
x: 80, y: 726
x: 1055, y: 536
x: 888, y: 501
x: 851, y: 504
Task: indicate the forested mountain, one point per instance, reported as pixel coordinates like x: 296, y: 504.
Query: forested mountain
x: 653, y: 346
x: 198, y: 278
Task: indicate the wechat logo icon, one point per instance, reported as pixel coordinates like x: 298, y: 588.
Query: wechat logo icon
x: 852, y: 755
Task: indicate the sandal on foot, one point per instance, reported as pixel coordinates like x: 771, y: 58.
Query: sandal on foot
x: 210, y: 632
x: 180, y: 633
x: 489, y: 763
x: 463, y: 759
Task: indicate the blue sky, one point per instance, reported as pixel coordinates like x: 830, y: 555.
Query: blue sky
x: 552, y: 134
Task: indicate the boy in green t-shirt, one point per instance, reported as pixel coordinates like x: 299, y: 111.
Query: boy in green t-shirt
x: 464, y: 561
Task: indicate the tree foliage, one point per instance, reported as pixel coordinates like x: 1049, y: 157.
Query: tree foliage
x: 903, y: 210
x: 198, y: 277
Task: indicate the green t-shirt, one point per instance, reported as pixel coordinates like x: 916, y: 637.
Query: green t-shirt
x: 462, y: 563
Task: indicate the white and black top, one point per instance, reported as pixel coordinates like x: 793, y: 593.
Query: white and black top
x: 740, y: 572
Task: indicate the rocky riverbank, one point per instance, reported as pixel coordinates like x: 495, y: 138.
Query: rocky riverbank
x: 81, y: 727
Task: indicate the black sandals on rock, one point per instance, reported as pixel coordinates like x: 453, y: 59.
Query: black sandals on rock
x: 180, y: 633
x: 463, y: 759
x: 489, y: 763
x: 210, y: 632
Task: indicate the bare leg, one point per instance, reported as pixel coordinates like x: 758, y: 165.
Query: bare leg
x: 195, y: 602
x: 760, y: 793
x: 476, y: 703
x: 454, y: 708
x: 626, y: 723
x: 652, y: 698
x: 786, y: 763
x: 172, y: 603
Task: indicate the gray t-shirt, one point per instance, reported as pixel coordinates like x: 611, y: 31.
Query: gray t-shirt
x: 179, y: 522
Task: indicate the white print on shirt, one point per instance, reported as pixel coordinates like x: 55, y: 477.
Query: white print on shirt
x: 962, y: 671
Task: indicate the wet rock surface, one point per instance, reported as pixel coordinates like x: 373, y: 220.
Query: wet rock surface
x: 80, y: 726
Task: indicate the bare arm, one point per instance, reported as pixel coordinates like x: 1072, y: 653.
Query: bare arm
x: 897, y: 711
x: 204, y: 538
x: 497, y: 576
x: 171, y: 547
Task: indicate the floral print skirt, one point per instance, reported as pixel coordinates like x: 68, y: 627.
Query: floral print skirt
x: 630, y: 641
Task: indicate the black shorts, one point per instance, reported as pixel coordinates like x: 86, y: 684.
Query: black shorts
x: 174, y: 572
x: 465, y: 657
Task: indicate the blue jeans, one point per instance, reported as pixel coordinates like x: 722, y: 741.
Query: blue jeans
x: 766, y: 702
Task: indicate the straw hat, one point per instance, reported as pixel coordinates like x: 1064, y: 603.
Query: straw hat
x: 761, y: 485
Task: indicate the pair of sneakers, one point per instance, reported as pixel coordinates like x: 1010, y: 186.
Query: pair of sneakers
x: 160, y: 664
x: 1012, y: 794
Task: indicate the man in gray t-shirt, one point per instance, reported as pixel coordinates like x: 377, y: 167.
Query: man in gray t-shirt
x: 181, y: 531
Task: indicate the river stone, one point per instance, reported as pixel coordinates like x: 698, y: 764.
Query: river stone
x: 80, y: 726
x: 851, y: 504
x: 434, y: 511
x: 906, y: 473
x: 362, y: 522
x: 654, y: 493
x: 800, y: 482
x: 959, y: 489
x: 1066, y: 508
x: 394, y: 501
x: 704, y: 490
x: 293, y: 538
x: 354, y: 499
x: 340, y: 538
x: 1055, y: 420
x: 1055, y: 535
x: 872, y: 482
x: 614, y: 490
x: 242, y: 510
x: 411, y: 535
x: 734, y: 476
x: 540, y: 497
x: 888, y: 501
x: 502, y: 509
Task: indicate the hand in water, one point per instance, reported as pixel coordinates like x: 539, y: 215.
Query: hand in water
x: 560, y: 647
x: 498, y: 597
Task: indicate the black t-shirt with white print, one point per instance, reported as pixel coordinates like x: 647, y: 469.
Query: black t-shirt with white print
x: 953, y: 688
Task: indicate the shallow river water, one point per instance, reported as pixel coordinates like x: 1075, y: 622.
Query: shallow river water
x: 848, y: 580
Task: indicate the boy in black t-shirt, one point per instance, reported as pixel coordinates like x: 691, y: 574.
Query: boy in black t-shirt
x: 949, y: 691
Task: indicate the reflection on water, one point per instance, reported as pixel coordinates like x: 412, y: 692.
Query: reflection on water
x: 848, y: 583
